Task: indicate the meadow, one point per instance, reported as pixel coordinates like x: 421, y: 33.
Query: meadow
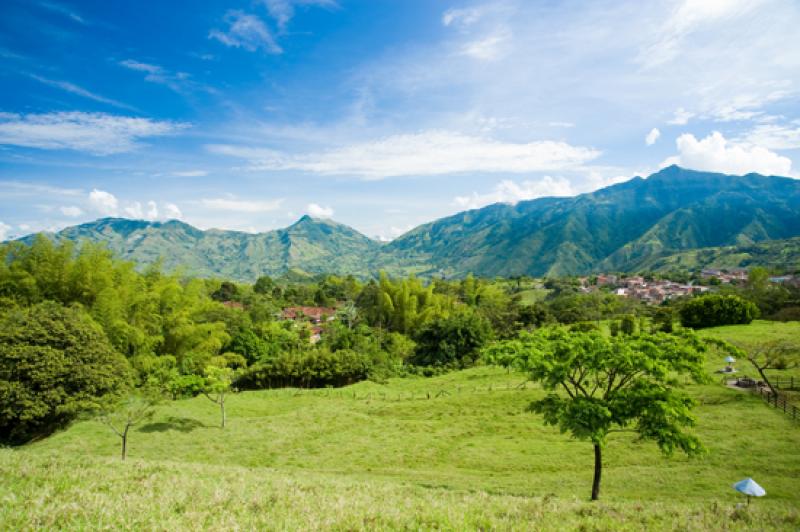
x: 457, y: 451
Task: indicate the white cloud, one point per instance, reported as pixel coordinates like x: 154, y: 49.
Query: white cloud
x: 72, y: 211
x: 176, y: 81
x: 4, y: 231
x: 246, y: 31
x: 80, y: 91
x: 318, y: 211
x: 190, y: 173
x: 426, y: 153
x: 508, y: 191
x: 103, y: 202
x: 714, y: 153
x: 688, y: 17
x: 681, y: 117
x: 488, y: 47
x: 282, y: 11
x: 461, y: 17
x: 172, y: 212
x: 237, y: 205
x: 95, y: 133
x: 652, y: 137
x: 152, y: 210
x: 774, y: 137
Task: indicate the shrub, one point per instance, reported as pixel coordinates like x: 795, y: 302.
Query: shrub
x: 715, y: 310
x: 55, y: 362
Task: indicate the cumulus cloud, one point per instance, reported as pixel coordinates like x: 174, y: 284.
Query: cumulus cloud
x: 237, y: 205
x: 72, y: 211
x: 318, y: 211
x: 715, y: 154
x: 508, y: 191
x: 246, y: 31
x: 172, y: 212
x: 95, y: 133
x: 652, y: 137
x: 152, y: 210
x: 426, y: 153
x: 103, y: 202
x: 5, y: 229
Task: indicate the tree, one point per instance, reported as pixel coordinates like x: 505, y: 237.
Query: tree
x: 625, y: 383
x: 713, y: 310
x: 55, y: 363
x: 218, y: 384
x: 770, y: 355
x: 264, y: 285
x: 121, y: 416
x: 453, y: 340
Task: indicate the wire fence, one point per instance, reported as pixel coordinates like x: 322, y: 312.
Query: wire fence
x: 401, y: 395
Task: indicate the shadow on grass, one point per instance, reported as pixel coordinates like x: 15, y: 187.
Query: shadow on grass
x: 181, y: 424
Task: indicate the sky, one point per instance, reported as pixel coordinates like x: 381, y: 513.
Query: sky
x: 380, y: 114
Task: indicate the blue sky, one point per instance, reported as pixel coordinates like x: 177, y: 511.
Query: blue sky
x: 382, y: 114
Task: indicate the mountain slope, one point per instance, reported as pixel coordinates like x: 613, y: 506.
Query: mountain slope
x: 630, y: 226
x: 311, y: 245
x: 616, y: 228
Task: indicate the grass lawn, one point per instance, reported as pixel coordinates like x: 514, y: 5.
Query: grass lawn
x: 457, y: 451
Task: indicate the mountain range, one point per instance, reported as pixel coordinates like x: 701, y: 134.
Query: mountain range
x: 643, y: 223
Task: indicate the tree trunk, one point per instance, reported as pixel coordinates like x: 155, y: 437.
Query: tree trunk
x: 598, y: 470
x: 765, y: 379
x: 222, y: 409
x: 125, y: 442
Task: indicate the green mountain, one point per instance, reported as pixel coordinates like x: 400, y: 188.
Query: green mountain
x: 309, y: 245
x: 620, y: 227
x: 783, y: 255
x: 630, y: 226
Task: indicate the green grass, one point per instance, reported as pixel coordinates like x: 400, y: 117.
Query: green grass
x: 457, y: 451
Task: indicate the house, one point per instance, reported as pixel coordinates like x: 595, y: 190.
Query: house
x: 312, y: 314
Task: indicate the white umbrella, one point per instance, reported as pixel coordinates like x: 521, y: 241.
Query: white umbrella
x: 729, y: 359
x: 750, y: 488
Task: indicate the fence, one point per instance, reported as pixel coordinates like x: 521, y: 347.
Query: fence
x: 778, y: 401
x: 785, y: 383
x: 400, y: 395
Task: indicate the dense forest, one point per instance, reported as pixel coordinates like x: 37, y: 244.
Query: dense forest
x: 80, y: 323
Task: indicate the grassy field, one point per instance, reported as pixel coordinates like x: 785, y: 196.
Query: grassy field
x: 451, y: 452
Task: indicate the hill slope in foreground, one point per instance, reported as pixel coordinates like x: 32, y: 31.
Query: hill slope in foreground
x: 624, y: 227
x: 404, y: 456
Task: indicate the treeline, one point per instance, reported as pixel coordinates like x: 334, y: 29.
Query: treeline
x: 75, y: 314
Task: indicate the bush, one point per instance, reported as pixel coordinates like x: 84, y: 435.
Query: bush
x: 452, y: 341
x: 715, y: 310
x: 55, y: 362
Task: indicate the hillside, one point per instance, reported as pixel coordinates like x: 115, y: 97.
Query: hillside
x: 454, y: 452
x: 630, y: 226
x: 310, y: 245
x: 782, y: 255
x: 615, y: 228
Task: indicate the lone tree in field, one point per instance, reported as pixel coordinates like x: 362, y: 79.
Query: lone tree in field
x: 625, y: 383
x: 218, y: 384
x: 123, y: 415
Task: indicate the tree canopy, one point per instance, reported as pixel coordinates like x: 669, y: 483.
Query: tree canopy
x: 610, y: 384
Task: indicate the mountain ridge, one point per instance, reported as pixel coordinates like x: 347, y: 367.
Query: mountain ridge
x: 622, y: 227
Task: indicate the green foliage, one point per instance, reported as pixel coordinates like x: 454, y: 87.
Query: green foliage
x: 624, y: 382
x: 55, y: 363
x: 714, y: 310
x: 453, y: 341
